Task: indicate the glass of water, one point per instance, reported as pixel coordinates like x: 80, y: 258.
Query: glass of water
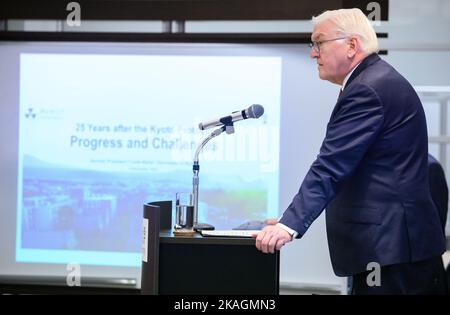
x: 184, y: 211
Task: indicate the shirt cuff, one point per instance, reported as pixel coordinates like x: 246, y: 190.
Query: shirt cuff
x: 288, y: 229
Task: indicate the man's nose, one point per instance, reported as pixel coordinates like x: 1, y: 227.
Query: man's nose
x: 313, y: 53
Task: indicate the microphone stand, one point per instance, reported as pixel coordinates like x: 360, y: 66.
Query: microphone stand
x: 229, y: 128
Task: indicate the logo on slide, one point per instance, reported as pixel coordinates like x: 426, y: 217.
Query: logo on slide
x: 44, y: 113
x: 31, y: 113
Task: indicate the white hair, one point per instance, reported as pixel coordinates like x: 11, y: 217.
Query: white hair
x: 351, y: 22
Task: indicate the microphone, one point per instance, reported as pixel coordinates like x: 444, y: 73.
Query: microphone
x: 254, y: 111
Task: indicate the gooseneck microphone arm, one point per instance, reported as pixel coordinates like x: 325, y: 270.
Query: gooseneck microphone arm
x: 229, y: 128
x: 224, y: 124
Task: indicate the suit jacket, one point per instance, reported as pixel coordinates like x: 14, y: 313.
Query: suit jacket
x: 371, y: 175
x: 438, y: 189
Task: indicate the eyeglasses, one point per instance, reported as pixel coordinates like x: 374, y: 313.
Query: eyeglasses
x: 316, y: 45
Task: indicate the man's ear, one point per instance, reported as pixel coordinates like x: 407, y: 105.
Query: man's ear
x: 353, y: 46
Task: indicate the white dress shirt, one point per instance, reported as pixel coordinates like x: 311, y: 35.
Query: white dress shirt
x: 348, y: 77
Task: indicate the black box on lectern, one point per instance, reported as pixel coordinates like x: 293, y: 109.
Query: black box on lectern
x: 202, y: 265
x: 150, y: 249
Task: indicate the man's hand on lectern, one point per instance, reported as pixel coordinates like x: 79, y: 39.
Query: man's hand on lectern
x: 272, y: 237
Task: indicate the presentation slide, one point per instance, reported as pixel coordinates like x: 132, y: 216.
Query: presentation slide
x: 100, y: 134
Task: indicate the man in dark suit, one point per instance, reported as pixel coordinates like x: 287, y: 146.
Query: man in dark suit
x: 371, y: 172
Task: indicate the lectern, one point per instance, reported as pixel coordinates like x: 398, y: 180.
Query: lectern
x: 202, y: 265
